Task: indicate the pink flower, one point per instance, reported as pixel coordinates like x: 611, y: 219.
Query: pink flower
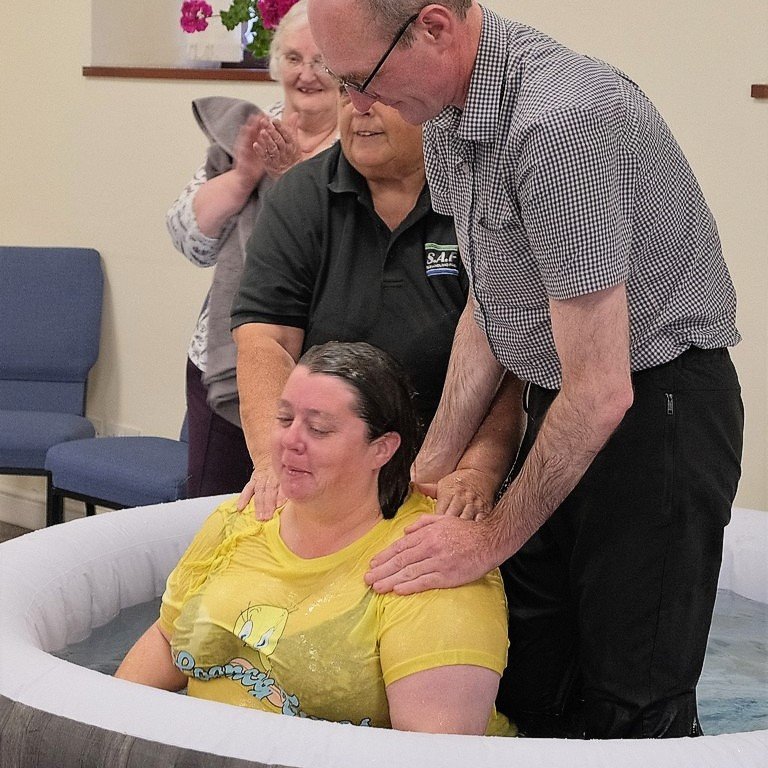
x: 283, y: 6
x: 195, y: 15
x: 268, y: 13
x: 272, y: 11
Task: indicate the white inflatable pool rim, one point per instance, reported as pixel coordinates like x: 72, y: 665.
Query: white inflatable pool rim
x: 59, y: 583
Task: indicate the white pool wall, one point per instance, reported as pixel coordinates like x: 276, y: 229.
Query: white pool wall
x: 58, y: 583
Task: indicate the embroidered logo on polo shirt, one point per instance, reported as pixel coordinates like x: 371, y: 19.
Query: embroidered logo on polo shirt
x: 441, y: 259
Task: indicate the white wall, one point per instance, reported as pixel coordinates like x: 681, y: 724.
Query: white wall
x: 96, y: 162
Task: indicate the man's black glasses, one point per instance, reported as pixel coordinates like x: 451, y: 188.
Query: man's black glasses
x: 361, y: 87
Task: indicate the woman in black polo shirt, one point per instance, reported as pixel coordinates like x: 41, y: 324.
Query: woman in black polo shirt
x: 348, y: 248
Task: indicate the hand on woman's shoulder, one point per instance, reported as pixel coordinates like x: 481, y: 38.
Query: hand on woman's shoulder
x: 415, y: 505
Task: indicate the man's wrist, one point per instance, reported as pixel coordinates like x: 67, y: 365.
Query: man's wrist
x: 430, y: 466
x: 504, y: 538
x: 485, y: 482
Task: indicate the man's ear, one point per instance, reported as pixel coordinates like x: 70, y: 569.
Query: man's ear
x: 440, y: 24
x: 385, y: 447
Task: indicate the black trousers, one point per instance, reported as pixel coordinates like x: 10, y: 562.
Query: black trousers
x: 611, y: 601
x: 218, y: 458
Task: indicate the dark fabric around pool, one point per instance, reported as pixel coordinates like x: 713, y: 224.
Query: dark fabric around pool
x: 32, y: 738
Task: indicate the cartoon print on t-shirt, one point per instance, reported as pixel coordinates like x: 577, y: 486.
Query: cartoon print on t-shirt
x: 260, y: 628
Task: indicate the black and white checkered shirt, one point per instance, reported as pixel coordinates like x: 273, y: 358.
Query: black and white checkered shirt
x: 563, y: 180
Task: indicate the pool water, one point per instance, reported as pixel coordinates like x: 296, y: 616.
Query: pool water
x: 732, y: 692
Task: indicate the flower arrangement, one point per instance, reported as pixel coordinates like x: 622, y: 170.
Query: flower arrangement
x: 262, y: 15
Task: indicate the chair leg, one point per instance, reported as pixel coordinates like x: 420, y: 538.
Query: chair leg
x: 54, y: 504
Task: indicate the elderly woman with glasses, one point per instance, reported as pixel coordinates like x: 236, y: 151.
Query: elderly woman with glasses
x: 212, y: 218
x: 276, y: 615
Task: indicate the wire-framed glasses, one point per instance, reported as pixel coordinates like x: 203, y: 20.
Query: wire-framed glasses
x: 293, y: 60
x: 348, y: 84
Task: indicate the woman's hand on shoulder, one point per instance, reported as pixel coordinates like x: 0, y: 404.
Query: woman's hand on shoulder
x: 264, y: 489
x: 467, y: 493
x: 277, y: 144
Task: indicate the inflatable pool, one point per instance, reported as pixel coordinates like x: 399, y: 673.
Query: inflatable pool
x: 59, y: 583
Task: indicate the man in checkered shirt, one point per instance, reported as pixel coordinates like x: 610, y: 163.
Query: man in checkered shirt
x: 598, y: 282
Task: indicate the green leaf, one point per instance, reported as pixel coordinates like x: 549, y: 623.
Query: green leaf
x: 238, y: 12
x: 259, y: 45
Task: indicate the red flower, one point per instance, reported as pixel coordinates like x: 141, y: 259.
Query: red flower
x: 283, y: 6
x: 195, y: 15
x: 268, y: 13
x: 272, y: 11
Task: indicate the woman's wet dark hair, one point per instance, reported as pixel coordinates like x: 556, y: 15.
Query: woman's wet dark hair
x: 384, y: 403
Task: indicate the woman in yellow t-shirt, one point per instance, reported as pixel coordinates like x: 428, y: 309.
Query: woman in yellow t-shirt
x: 276, y: 615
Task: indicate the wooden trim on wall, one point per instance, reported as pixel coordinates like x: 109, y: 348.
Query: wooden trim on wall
x: 179, y: 73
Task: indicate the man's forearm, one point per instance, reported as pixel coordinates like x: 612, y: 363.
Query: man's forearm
x: 591, y: 333
x: 471, y: 382
x: 565, y: 447
x: 496, y: 442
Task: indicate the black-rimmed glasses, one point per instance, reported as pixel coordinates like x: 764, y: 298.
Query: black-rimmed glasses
x: 361, y: 87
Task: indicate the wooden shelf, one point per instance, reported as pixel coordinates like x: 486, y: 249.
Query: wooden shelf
x: 180, y: 73
x: 760, y: 91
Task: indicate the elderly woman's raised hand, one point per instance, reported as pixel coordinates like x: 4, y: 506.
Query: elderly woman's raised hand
x: 277, y: 144
x: 249, y: 166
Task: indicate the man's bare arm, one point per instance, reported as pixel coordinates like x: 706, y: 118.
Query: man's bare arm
x: 592, y: 339
x: 591, y: 334
x: 470, y: 490
x: 471, y: 383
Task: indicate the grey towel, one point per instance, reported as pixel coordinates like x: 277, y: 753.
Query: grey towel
x: 221, y: 118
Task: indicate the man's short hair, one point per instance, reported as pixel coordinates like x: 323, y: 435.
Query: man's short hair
x: 389, y: 15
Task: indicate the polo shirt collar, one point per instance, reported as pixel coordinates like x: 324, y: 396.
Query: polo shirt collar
x: 479, y: 119
x: 348, y: 179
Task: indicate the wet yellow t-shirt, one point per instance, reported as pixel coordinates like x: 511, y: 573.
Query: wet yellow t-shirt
x: 253, y: 624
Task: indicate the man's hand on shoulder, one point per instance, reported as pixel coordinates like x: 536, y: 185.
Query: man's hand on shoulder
x: 437, y: 551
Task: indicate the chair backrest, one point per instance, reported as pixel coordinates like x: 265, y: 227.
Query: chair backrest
x: 50, y: 318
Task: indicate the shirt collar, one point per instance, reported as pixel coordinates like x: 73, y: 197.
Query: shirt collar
x: 479, y: 119
x: 347, y: 179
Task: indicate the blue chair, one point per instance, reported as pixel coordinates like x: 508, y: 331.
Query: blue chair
x: 117, y: 472
x: 50, y: 318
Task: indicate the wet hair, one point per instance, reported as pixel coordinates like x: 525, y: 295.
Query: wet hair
x: 296, y: 16
x: 389, y: 15
x: 384, y: 401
